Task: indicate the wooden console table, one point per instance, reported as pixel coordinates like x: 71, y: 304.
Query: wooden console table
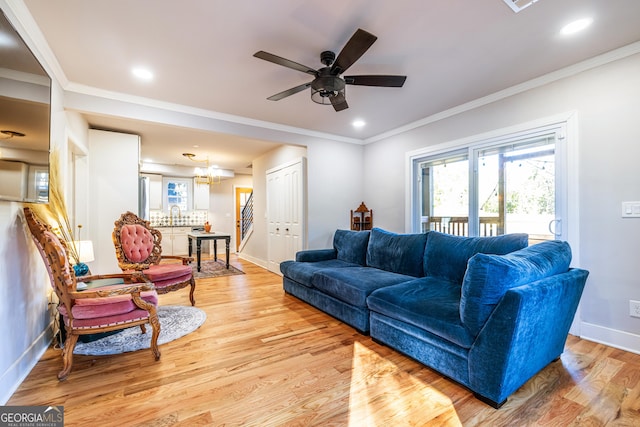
x: 199, y: 236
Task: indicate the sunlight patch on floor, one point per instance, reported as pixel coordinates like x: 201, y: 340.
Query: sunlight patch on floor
x: 378, y: 389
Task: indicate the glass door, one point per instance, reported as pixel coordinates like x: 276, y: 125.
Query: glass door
x: 444, y: 191
x: 516, y: 187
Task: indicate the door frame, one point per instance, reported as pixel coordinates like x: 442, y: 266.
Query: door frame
x: 236, y: 192
x: 567, y: 161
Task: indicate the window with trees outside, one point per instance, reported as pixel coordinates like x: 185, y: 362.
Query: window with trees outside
x: 508, y: 184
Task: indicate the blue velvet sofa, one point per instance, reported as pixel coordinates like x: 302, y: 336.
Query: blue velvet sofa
x: 487, y: 312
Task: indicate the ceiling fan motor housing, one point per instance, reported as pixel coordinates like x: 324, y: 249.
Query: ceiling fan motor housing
x: 326, y: 83
x: 327, y: 57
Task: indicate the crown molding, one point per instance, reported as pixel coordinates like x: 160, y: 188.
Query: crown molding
x: 200, y: 112
x: 21, y: 18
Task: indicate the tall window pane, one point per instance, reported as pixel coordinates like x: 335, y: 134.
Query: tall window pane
x: 445, y: 195
x: 516, y: 188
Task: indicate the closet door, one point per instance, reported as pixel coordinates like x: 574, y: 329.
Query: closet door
x: 285, y: 213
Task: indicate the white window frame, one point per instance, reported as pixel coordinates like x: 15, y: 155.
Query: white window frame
x: 565, y: 127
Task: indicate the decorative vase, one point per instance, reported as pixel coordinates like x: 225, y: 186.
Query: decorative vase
x: 207, y: 227
x: 81, y: 269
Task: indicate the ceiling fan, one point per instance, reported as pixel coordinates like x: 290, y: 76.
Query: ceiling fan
x: 328, y: 86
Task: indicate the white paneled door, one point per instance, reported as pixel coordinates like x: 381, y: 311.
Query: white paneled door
x: 285, y: 212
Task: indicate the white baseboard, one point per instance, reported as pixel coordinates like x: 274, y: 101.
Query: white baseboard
x: 611, y: 337
x: 18, y: 371
x: 253, y: 260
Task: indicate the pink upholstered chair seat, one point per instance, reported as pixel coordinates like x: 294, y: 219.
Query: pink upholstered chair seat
x: 88, y: 308
x: 162, y: 272
x: 100, y: 322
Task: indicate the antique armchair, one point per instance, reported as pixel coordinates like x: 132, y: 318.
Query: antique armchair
x: 138, y: 249
x: 101, y: 309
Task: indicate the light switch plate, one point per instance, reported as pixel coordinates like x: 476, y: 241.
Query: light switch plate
x: 630, y: 209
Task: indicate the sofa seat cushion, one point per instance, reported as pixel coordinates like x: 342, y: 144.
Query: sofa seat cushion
x: 397, y: 253
x: 354, y: 284
x: 446, y: 256
x: 428, y: 303
x: 302, y: 272
x: 489, y: 277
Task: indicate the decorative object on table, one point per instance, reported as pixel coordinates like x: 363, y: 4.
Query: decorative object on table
x: 207, y: 227
x: 210, y: 268
x: 96, y: 310
x: 177, y: 321
x: 138, y: 248
x: 84, y: 249
x: 362, y: 218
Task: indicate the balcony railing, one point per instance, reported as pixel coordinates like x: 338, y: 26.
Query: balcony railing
x: 459, y: 225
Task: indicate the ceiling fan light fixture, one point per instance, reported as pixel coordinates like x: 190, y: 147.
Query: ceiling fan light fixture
x: 326, y: 86
x: 323, y: 97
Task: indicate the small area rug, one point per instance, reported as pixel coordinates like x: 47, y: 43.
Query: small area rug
x: 211, y: 268
x: 175, y: 322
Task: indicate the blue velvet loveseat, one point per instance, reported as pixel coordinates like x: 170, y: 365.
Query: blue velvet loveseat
x: 487, y: 312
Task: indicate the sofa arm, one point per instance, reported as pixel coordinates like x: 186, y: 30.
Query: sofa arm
x: 527, y: 331
x: 315, y: 255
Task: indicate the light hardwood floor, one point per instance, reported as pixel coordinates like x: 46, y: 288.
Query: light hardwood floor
x: 263, y: 358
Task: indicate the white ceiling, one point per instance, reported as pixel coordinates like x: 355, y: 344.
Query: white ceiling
x: 201, y: 53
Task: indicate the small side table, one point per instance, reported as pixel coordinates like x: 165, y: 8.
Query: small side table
x: 199, y: 236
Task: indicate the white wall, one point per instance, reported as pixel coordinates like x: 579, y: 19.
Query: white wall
x: 607, y: 102
x: 113, y: 184
x: 334, y: 187
x: 222, y: 205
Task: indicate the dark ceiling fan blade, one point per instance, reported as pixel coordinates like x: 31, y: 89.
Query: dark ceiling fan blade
x: 357, y: 45
x: 288, y: 92
x: 376, y: 80
x: 339, y: 102
x: 284, y: 62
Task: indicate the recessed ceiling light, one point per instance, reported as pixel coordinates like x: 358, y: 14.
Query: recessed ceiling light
x: 358, y: 123
x: 6, y: 40
x: 142, y: 73
x: 576, y: 26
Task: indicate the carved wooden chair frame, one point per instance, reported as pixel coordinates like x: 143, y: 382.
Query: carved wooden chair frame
x: 154, y: 258
x: 55, y: 254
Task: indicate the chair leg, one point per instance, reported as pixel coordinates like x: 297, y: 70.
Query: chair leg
x: 143, y: 328
x: 67, y: 356
x: 193, y: 289
x: 155, y: 327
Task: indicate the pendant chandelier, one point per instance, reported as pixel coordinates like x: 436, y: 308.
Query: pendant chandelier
x: 208, y: 175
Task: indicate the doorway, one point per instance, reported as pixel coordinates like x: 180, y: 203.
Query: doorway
x: 243, y: 195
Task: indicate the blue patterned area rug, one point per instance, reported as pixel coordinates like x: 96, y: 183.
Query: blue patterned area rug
x: 175, y: 322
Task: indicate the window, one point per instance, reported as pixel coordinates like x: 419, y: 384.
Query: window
x: 509, y: 183
x: 177, y: 192
x: 444, y: 191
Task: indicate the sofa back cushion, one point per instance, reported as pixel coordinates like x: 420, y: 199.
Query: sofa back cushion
x: 489, y: 277
x: 398, y: 253
x: 446, y: 255
x: 351, y: 246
